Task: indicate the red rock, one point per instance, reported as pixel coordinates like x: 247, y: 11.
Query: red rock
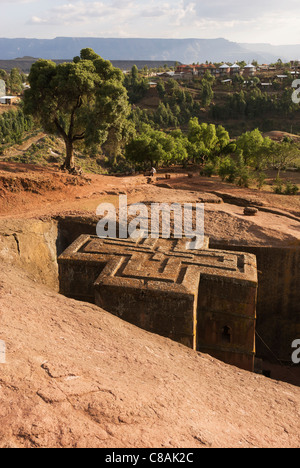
x: 77, y: 376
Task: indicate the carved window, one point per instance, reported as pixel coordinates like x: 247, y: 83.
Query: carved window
x: 226, y: 334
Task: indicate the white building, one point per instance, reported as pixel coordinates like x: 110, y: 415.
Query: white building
x: 235, y: 69
x: 224, y: 69
x: 249, y: 70
x: 8, y: 100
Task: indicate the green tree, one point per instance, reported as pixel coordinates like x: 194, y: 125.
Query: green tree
x: 209, y: 77
x: 145, y: 70
x: 152, y: 147
x: 255, y: 81
x: 207, y: 93
x: 3, y: 75
x: 13, y: 125
x: 80, y: 101
x: 136, y: 85
x: 134, y: 74
x: 254, y: 148
x: 284, y: 154
x: 206, y: 139
x: 228, y: 170
x: 223, y: 138
x: 149, y: 147
x: 161, y: 89
x: 15, y: 82
x: 238, y: 80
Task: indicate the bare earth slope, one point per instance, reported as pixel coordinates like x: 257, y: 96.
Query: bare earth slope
x: 77, y: 376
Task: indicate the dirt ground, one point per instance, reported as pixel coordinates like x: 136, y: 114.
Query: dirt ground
x: 261, y: 197
x: 33, y: 191
x: 279, y: 136
x: 6, y: 108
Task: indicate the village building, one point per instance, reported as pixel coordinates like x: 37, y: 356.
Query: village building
x: 9, y: 100
x: 208, y: 67
x: 224, y: 69
x: 186, y: 69
x: 295, y: 65
x: 263, y: 67
x: 228, y: 81
x: 235, y: 69
x: 196, y: 70
x: 249, y: 70
x: 169, y: 74
x: 175, y: 76
x: 4, y: 99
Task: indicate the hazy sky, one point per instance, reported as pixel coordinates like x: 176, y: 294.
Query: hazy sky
x: 272, y: 21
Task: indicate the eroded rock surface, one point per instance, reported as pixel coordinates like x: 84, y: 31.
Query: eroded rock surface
x: 77, y: 376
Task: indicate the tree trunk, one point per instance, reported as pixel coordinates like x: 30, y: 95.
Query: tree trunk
x: 70, y: 159
x: 278, y: 173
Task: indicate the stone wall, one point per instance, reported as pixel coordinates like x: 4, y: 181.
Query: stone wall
x: 278, y: 305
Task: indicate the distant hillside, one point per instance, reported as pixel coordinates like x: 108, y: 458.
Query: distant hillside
x: 182, y: 50
x: 284, y: 52
x: 24, y: 64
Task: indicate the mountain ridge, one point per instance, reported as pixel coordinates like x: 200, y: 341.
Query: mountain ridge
x: 156, y: 49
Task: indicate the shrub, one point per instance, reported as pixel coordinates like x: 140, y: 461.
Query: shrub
x: 290, y: 188
x: 228, y: 170
x: 209, y: 169
x: 278, y: 186
x: 261, y: 179
x: 285, y: 188
x: 243, y: 176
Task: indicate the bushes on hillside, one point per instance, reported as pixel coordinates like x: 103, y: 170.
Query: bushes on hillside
x: 13, y: 125
x: 254, y: 104
x: 203, y: 142
x: 285, y: 187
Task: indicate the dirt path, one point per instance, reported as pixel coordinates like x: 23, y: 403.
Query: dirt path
x: 19, y: 149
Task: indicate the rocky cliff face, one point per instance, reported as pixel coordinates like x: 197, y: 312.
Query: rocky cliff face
x: 32, y: 246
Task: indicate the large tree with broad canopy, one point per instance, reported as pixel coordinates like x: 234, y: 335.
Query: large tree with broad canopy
x: 84, y: 100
